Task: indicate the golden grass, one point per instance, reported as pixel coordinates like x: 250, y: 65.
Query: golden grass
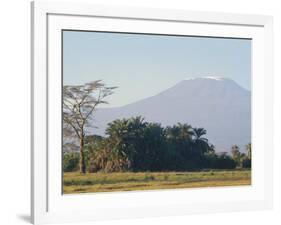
x: 75, y: 182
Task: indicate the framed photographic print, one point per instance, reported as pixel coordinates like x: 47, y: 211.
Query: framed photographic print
x: 146, y: 112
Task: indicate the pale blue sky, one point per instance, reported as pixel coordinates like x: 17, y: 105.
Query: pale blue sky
x: 144, y: 65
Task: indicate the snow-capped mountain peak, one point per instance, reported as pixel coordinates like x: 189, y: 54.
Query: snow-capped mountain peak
x: 217, y: 104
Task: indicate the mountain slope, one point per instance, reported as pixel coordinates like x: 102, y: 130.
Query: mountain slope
x: 219, y: 105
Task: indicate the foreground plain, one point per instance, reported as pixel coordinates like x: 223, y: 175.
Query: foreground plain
x: 74, y: 182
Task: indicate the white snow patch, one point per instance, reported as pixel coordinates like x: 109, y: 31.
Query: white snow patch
x: 207, y: 77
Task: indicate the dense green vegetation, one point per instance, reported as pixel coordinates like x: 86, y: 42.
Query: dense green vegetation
x: 136, y: 145
x: 138, y: 155
x: 75, y: 182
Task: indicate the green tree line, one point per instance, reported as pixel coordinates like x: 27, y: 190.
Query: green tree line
x: 137, y: 145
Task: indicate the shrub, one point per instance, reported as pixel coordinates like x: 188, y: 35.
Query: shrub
x: 70, y: 162
x: 246, y: 163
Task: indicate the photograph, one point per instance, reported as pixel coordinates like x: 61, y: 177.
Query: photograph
x: 143, y: 111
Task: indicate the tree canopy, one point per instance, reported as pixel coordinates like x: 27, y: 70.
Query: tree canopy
x: 134, y: 144
x: 79, y: 104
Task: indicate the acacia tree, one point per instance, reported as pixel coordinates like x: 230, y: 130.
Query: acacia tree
x: 79, y: 104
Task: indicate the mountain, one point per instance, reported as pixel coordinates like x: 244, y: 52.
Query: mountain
x: 219, y: 105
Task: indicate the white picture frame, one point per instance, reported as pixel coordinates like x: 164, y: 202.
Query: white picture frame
x: 48, y: 205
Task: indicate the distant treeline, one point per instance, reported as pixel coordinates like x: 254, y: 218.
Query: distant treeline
x: 136, y: 145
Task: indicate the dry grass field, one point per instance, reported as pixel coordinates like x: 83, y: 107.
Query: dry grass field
x: 74, y: 182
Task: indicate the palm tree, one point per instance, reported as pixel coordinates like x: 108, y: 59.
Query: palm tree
x: 236, y: 155
x: 126, y: 137
x: 118, y: 132
x: 153, y: 146
x: 235, y: 151
x: 186, y: 131
x: 249, y: 150
x: 172, y: 132
x: 200, y: 143
x: 179, y: 132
